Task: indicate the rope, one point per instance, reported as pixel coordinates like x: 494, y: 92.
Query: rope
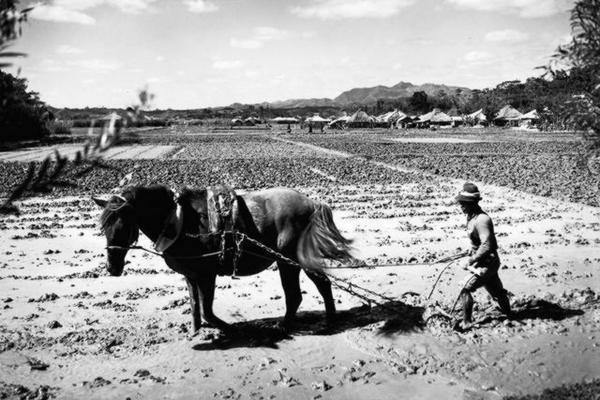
x: 276, y: 256
x: 458, y: 256
x: 206, y: 255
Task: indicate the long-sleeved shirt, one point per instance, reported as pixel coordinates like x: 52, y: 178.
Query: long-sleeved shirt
x: 483, y: 239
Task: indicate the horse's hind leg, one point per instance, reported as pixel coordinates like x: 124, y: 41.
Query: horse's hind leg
x: 290, y: 280
x: 323, y: 285
x: 194, y: 304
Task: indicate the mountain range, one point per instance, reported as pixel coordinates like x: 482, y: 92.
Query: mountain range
x: 364, y: 96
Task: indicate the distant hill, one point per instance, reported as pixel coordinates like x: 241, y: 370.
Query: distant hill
x: 371, y: 95
x: 402, y: 89
x: 301, y: 103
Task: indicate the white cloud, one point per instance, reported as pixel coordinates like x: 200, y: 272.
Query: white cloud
x: 523, y: 8
x: 160, y: 58
x: 67, y: 49
x: 200, y: 6
x: 260, y: 35
x: 72, y: 10
x: 266, y: 33
x: 227, y: 64
x: 507, y: 35
x: 95, y: 65
x: 130, y: 6
x: 478, y: 57
x: 340, y: 9
x: 60, y: 14
x: 245, y: 43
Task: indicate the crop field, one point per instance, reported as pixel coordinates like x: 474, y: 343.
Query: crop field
x: 69, y: 330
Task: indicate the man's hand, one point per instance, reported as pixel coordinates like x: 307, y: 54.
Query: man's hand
x: 468, y: 267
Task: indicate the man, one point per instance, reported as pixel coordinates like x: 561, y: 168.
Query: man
x: 483, y: 263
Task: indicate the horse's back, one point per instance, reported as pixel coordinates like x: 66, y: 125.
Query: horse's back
x: 279, y: 214
x: 278, y: 203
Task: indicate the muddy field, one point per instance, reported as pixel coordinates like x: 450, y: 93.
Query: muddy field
x: 68, y: 330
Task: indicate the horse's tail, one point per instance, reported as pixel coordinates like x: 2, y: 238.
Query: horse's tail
x: 322, y: 240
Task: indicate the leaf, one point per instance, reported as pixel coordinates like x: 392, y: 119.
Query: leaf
x: 41, y: 174
x: 12, y: 54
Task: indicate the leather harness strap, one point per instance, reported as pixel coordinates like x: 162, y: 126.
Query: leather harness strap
x: 221, y: 206
x: 171, y: 229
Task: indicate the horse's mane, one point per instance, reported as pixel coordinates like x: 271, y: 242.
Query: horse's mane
x: 133, y: 195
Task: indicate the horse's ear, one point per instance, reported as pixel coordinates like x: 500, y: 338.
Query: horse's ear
x: 100, y: 202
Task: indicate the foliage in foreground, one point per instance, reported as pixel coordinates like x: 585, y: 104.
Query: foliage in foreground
x: 22, y: 115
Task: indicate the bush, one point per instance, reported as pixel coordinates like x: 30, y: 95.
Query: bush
x: 22, y: 115
x: 57, y: 127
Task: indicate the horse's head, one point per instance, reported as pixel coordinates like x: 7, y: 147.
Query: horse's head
x: 119, y: 225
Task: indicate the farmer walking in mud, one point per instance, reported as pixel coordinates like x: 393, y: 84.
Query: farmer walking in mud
x: 483, y: 262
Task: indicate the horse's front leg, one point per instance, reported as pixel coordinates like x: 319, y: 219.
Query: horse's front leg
x: 194, y: 304
x: 206, y: 291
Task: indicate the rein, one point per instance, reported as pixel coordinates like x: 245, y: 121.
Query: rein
x: 341, y: 283
x: 156, y: 253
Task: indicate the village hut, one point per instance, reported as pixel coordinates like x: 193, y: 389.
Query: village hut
x: 406, y: 121
x: 436, y: 118
x: 477, y: 118
x: 531, y: 116
x: 316, y: 121
x: 251, y: 121
x: 530, y: 119
x: 284, y: 120
x: 508, y: 115
x: 389, y: 119
x: 339, y: 123
x: 360, y: 119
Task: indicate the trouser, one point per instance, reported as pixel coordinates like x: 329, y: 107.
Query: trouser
x: 488, y: 279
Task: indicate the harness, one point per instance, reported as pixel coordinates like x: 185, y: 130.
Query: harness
x: 221, y: 211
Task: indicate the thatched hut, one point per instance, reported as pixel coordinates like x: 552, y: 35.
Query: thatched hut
x: 316, y: 121
x: 360, y: 119
x: 477, y: 118
x: 436, y: 118
x: 284, y: 120
x: 389, y: 119
x: 508, y: 115
x: 339, y: 122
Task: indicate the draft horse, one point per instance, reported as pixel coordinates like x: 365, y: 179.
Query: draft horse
x: 281, y: 219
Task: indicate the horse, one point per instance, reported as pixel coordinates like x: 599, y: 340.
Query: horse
x: 281, y: 219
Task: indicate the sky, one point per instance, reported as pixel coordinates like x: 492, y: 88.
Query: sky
x: 205, y: 53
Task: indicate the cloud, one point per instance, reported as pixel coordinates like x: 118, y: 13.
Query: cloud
x: 60, y: 14
x: 200, y: 6
x: 95, y: 65
x: 245, y: 43
x: 351, y: 9
x: 67, y: 49
x: 227, y: 64
x: 507, y: 35
x: 129, y: 6
x: 71, y: 11
x: 478, y: 57
x: 523, y: 8
x: 260, y: 35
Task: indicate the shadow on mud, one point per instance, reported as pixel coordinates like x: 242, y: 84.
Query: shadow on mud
x: 531, y: 309
x: 542, y: 309
x: 397, y: 317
